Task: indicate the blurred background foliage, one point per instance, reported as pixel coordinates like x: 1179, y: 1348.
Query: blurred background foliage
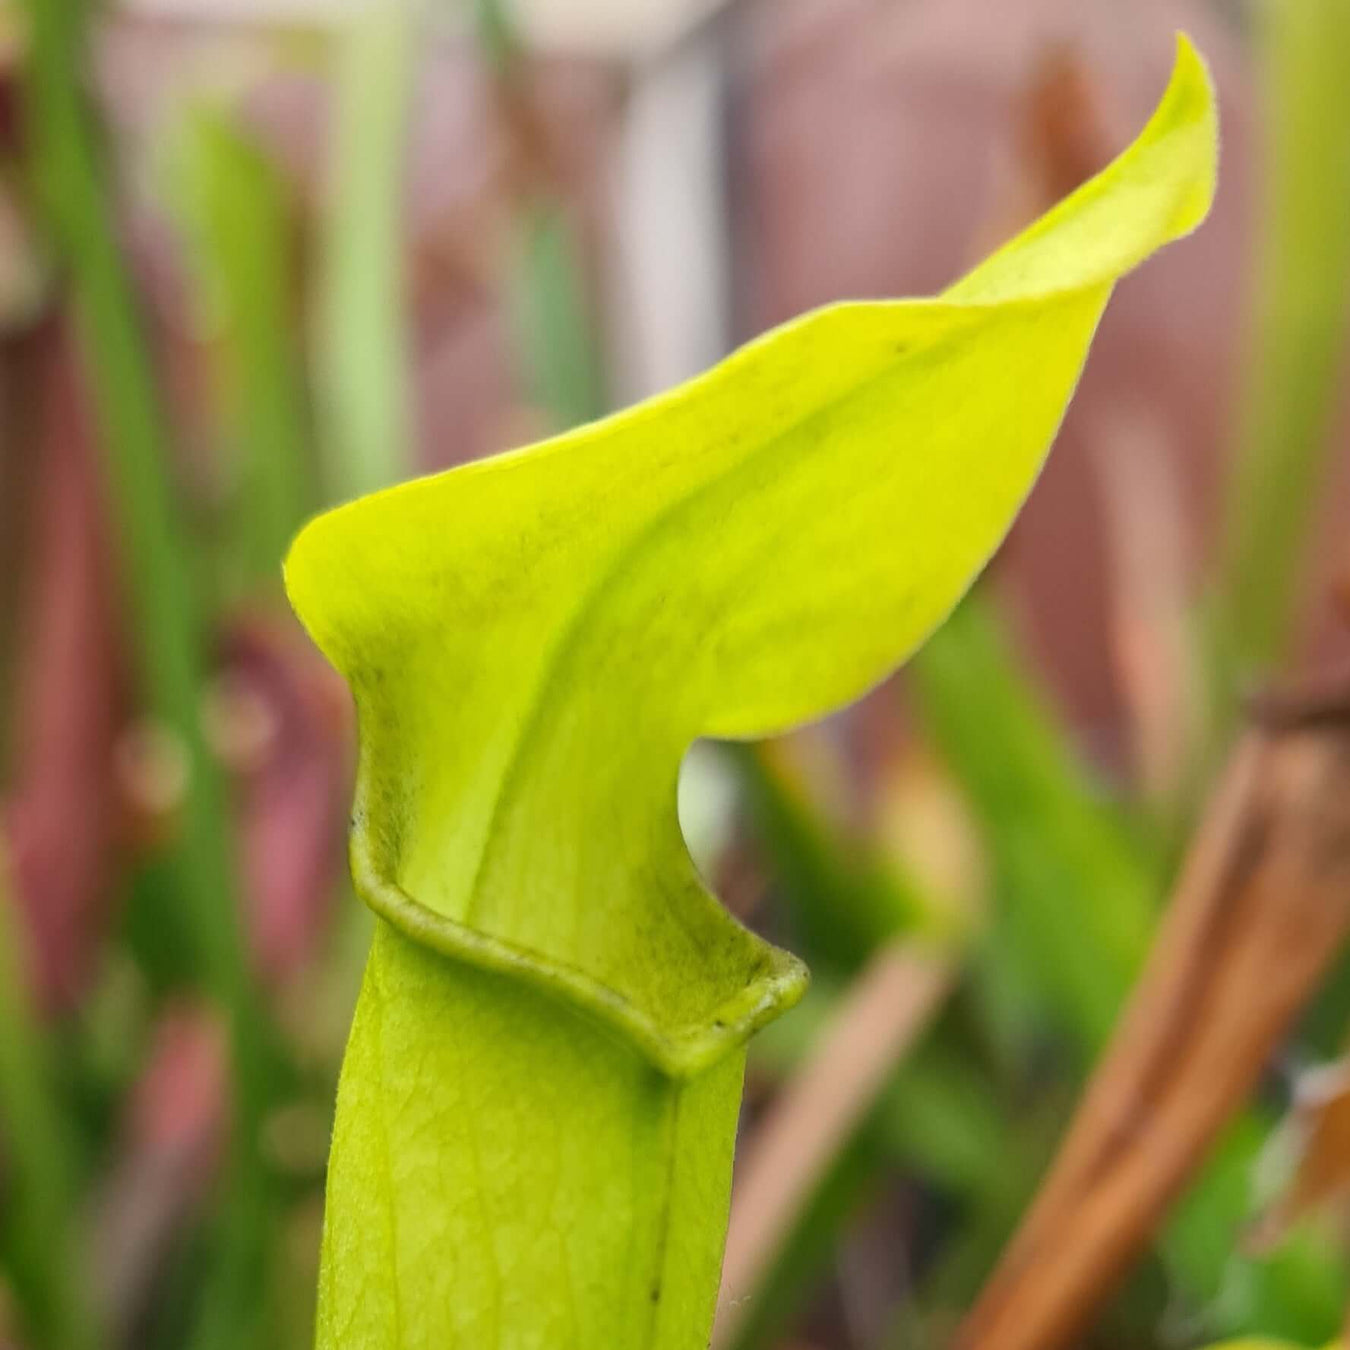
x: 258, y: 256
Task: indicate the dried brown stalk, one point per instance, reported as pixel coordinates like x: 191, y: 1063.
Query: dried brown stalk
x: 1261, y: 910
x: 1147, y: 540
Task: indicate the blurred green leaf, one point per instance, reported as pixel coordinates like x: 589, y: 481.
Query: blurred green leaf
x: 154, y: 552
x: 844, y: 902
x: 235, y: 210
x: 1260, y: 1343
x: 554, y: 327
x: 364, y: 412
x: 1298, y: 1290
x: 1078, y: 894
x: 39, y: 1222
x: 1294, y: 375
x: 168, y: 625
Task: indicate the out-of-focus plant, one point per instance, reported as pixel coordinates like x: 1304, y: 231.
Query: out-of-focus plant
x: 170, y: 629
x: 234, y: 207
x: 362, y: 352
x: 38, y: 1230
x: 1258, y: 1344
x: 1298, y: 348
x: 1054, y: 836
x: 533, y: 643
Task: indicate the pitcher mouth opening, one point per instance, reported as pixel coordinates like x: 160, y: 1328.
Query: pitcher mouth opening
x: 683, y: 1050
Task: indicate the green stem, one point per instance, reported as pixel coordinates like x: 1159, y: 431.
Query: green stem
x: 1053, y: 838
x: 555, y: 332
x: 554, y: 329
x: 845, y: 902
x: 363, y: 395
x: 233, y: 206
x: 156, y: 558
x: 1299, y: 347
x: 40, y: 1234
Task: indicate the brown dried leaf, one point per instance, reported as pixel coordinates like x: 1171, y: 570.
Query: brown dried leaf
x: 1262, y: 908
